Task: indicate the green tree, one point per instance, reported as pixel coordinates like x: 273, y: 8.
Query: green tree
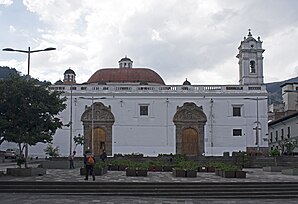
x: 78, y: 140
x: 28, y: 112
x: 288, y: 146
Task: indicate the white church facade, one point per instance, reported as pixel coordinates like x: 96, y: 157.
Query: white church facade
x: 131, y: 110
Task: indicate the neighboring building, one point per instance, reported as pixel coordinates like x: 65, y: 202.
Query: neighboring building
x: 284, y: 127
x: 275, y: 111
x: 132, y: 110
x: 290, y: 97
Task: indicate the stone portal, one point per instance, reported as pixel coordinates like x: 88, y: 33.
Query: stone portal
x: 190, y: 121
x: 100, y: 119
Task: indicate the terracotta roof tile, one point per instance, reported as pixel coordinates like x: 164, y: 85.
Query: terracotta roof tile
x: 125, y: 75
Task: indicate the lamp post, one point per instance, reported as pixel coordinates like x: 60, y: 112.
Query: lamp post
x: 92, y: 119
x: 257, y: 99
x: 70, y: 123
x: 29, y: 51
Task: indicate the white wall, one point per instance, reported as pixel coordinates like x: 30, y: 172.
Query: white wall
x: 156, y: 133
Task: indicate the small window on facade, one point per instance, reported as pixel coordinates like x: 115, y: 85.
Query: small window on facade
x: 276, y: 135
x: 271, y: 137
x: 144, y: 110
x: 236, y: 111
x: 237, y: 132
x: 252, y: 66
x: 289, y: 132
x: 282, y: 134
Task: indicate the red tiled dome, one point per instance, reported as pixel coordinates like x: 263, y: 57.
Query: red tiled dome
x: 126, y: 75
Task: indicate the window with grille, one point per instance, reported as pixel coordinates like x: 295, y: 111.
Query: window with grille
x: 236, y: 111
x: 289, y: 132
x: 144, y: 110
x: 237, y: 132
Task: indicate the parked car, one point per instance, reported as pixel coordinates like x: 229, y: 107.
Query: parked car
x: 10, y: 153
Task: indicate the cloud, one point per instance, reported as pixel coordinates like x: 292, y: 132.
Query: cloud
x: 6, y: 2
x: 192, y: 39
x: 12, y: 29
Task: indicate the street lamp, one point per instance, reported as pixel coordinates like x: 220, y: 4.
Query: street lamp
x: 257, y: 99
x: 29, y: 51
x: 92, y: 119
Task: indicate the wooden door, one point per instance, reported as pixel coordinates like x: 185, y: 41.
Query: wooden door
x: 190, y: 142
x: 99, y: 140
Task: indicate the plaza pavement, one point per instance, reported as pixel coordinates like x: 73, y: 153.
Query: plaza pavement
x: 70, y: 175
x: 65, y: 175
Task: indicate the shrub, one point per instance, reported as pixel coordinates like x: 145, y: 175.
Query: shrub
x: 274, y: 152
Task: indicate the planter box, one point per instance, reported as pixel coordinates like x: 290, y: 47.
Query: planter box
x: 240, y: 174
x: 23, y: 172
x: 229, y: 174
x: 113, y: 167
x: 122, y: 167
x: 97, y: 171
x: 179, y: 173
x: 184, y: 173
x: 206, y: 169
x: 167, y: 168
x: 210, y: 169
x: 218, y: 172
x: 142, y: 172
x: 273, y: 168
x: 293, y: 171
x: 131, y: 172
x: 136, y: 172
x: 191, y: 173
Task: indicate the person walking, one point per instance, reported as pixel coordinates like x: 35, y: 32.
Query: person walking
x: 89, y: 162
x: 71, y: 160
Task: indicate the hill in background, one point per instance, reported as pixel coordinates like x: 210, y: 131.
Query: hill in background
x: 274, y: 90
x: 5, y: 72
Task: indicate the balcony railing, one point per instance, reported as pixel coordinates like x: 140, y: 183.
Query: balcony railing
x: 162, y: 89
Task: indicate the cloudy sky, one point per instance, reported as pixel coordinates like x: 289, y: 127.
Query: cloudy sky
x: 193, y: 39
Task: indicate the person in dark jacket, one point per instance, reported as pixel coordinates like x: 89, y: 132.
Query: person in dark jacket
x: 103, y: 156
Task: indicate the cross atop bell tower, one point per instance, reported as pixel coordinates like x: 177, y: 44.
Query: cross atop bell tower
x: 250, y: 60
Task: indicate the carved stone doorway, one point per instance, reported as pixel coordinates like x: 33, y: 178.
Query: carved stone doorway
x: 190, y: 120
x: 101, y: 124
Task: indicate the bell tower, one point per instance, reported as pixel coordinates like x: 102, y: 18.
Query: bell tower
x: 250, y: 60
x: 69, y: 77
x: 125, y: 63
